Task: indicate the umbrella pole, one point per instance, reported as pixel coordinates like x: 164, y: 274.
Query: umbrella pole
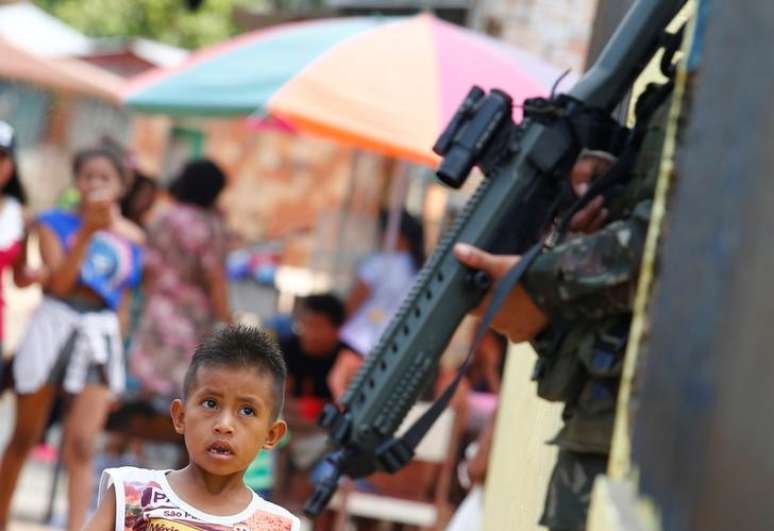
x: 398, y: 190
x: 342, y: 258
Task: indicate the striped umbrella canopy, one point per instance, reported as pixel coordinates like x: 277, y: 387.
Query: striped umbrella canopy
x: 385, y: 84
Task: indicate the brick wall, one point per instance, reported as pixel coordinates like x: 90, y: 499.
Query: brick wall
x: 558, y: 31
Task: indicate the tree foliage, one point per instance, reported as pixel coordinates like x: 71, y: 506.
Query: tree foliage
x: 168, y: 21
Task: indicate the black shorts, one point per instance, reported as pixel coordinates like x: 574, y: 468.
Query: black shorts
x: 5, y: 372
x: 96, y: 373
x: 569, y: 490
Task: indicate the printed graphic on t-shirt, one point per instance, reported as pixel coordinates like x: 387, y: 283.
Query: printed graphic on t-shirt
x: 112, y: 262
x: 108, y: 262
x: 148, y: 508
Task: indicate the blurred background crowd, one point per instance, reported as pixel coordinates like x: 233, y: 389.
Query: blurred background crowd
x: 139, y: 190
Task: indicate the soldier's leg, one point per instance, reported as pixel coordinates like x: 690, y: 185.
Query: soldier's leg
x: 569, y: 490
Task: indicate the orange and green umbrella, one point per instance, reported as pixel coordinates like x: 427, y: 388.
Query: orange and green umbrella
x: 385, y: 84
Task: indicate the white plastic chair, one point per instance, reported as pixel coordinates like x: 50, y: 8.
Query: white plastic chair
x: 438, y: 447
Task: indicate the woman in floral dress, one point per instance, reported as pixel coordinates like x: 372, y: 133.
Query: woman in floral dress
x: 186, y: 293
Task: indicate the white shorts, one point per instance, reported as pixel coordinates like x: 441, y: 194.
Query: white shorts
x: 69, y: 348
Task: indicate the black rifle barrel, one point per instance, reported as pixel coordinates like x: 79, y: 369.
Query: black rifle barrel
x: 626, y: 53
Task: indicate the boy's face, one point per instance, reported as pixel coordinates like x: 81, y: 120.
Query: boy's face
x: 227, y: 418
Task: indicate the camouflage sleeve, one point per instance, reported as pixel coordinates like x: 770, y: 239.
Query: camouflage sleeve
x: 591, y: 276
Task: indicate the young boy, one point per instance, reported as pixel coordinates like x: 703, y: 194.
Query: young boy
x: 232, y: 397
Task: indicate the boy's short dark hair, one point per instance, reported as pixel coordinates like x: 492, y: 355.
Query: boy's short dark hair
x: 326, y: 304
x: 240, y: 347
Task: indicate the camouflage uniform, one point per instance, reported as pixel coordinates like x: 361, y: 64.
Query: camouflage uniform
x: 586, y: 286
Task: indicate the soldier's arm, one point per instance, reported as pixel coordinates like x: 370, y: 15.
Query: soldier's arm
x: 591, y: 276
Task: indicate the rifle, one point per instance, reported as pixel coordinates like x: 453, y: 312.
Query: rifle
x: 525, y: 189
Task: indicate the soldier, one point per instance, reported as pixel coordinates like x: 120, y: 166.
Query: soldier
x: 575, y: 305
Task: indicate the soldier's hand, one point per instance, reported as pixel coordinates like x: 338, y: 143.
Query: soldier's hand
x: 594, y: 215
x: 519, y: 318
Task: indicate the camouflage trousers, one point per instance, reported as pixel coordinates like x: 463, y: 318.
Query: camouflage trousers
x: 569, y: 490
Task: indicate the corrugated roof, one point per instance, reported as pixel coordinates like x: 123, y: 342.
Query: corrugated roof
x: 72, y: 75
x: 28, y: 26
x: 156, y: 53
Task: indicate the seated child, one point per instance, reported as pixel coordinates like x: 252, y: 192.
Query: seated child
x: 232, y: 397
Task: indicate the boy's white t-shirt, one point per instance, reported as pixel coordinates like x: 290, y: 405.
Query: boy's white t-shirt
x: 146, y: 502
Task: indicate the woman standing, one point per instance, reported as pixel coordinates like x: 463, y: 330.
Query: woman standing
x: 12, y: 230
x: 383, y: 280
x: 73, y: 341
x: 187, y: 292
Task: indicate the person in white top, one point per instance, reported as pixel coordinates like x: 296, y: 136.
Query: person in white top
x: 383, y: 280
x: 12, y: 223
x: 232, y: 398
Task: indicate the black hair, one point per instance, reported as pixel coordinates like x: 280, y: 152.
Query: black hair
x: 240, y: 347
x: 411, y: 229
x: 199, y: 183
x: 326, y: 304
x: 13, y: 187
x: 115, y: 158
x: 139, y: 182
